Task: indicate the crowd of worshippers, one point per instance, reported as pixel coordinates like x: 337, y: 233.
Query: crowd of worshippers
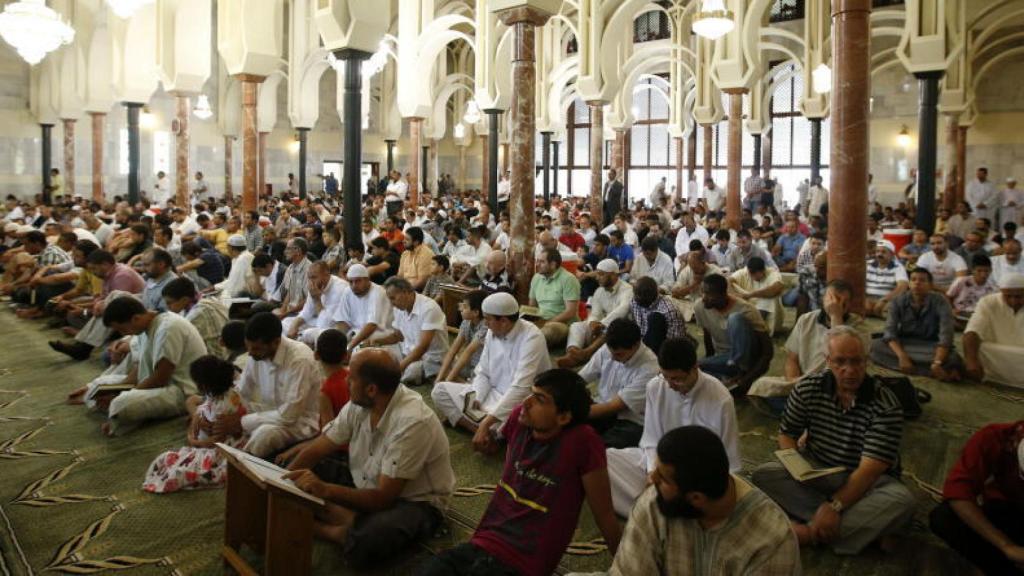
x: 274, y: 335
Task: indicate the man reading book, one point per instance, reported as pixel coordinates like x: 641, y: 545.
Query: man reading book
x: 853, y: 422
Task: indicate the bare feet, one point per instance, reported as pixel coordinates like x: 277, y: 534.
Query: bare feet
x: 334, y: 524
x: 804, y: 535
x: 106, y: 430
x: 78, y: 396
x: 69, y: 331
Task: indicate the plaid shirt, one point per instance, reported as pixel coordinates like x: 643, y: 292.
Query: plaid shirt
x: 54, y: 255
x: 812, y: 287
x: 676, y: 323
x: 253, y: 239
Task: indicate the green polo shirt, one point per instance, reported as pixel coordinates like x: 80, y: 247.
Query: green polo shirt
x: 551, y: 293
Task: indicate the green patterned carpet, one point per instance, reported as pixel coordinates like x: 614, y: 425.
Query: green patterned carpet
x: 71, y: 502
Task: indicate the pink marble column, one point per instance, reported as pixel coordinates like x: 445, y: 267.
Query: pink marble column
x: 734, y: 187
x: 618, y: 146
x: 504, y: 158
x: 596, y: 160
x: 709, y: 137
x: 961, y: 160
x: 181, y: 168
x: 523, y: 22
x: 98, y: 119
x: 851, y: 63
x: 462, y: 168
x: 415, y: 157
x: 229, y: 143
x: 69, y: 156
x: 486, y: 176
x: 261, y: 175
x: 250, y: 142
x: 766, y: 155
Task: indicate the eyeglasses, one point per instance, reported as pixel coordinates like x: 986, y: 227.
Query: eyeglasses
x: 847, y: 362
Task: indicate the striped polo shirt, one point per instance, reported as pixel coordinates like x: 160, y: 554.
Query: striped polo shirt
x: 872, y: 427
x: 880, y: 281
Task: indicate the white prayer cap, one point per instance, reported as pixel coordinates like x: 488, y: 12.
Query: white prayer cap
x: 500, y: 304
x: 236, y: 240
x: 1014, y: 281
x: 1011, y: 179
x: 607, y: 265
x: 357, y: 271
x: 675, y: 225
x: 264, y: 221
x: 887, y: 245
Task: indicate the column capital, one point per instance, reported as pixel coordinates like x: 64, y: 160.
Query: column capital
x: 732, y: 91
x: 593, y: 103
x: 840, y: 6
x: 351, y: 53
x: 250, y: 78
x: 930, y: 74
x: 522, y: 11
x: 492, y: 111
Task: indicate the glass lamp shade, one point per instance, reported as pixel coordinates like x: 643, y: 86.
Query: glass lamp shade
x: 202, y: 109
x: 821, y: 77
x: 126, y: 8
x: 472, y: 115
x: 903, y: 138
x: 713, y: 21
x: 459, y: 131
x: 33, y: 29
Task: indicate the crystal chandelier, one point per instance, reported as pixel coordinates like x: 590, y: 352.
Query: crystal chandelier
x: 202, y: 109
x: 821, y: 78
x: 472, y: 115
x: 713, y: 21
x: 33, y: 29
x: 460, y: 131
x: 126, y: 8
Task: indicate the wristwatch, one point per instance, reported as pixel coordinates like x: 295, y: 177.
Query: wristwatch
x: 836, y: 505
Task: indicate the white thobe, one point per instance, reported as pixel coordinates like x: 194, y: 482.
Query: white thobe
x: 684, y: 236
x: 662, y: 270
x: 372, y: 307
x: 626, y: 380
x: 1009, y: 213
x: 425, y: 316
x: 743, y: 283
x: 605, y: 307
x: 318, y: 314
x: 715, y: 198
x: 979, y: 192
x: 1000, y: 329
x: 240, y: 277
x: 1001, y: 267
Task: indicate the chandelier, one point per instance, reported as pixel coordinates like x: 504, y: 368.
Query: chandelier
x: 202, y: 109
x: 472, y: 115
x: 713, y: 21
x: 33, y: 29
x: 460, y: 131
x: 821, y: 78
x: 126, y: 8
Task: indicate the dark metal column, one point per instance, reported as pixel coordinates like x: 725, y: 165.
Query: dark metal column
x: 303, y: 133
x: 133, y: 151
x: 815, y: 148
x: 554, y: 167
x: 928, y: 99
x: 47, y: 160
x: 391, y: 155
x: 425, y: 173
x: 492, y: 159
x: 546, y: 162
x: 353, y: 145
x: 757, y: 151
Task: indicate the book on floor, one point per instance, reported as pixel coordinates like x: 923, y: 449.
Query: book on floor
x: 108, y: 384
x: 800, y: 469
x: 268, y: 472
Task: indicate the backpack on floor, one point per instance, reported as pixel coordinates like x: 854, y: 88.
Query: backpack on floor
x: 910, y: 397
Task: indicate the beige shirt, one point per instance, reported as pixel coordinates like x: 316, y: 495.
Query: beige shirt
x: 408, y: 443
x: 287, y: 387
x: 807, y: 339
x: 742, y: 283
x: 996, y: 323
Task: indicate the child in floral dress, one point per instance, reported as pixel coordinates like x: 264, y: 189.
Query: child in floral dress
x: 199, y: 465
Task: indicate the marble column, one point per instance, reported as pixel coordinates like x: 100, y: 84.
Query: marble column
x: 951, y: 168
x: 391, y: 155
x: 709, y: 160
x: 596, y: 161
x: 554, y: 168
x: 98, y: 118
x: 546, y: 164
x: 261, y: 170
x: 415, y: 157
x: 134, y: 188
x: 433, y: 170
x: 523, y: 22
x: 961, y: 160
x: 491, y: 166
x: 69, y: 156
x: 691, y: 155
x: 766, y: 155
x: 462, y: 168
x: 680, y: 167
x: 485, y: 173
x: 504, y: 157
x: 851, y: 59
x: 734, y: 187
x: 47, y: 145
x: 303, y: 160
x: 927, y: 147
x: 250, y: 142
x: 181, y: 168
x: 229, y: 142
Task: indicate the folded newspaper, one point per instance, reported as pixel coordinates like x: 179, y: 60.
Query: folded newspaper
x: 800, y: 469
x: 267, y: 472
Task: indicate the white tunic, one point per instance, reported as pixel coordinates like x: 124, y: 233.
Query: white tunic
x: 683, y: 238
x: 396, y: 191
x: 358, y: 311
x: 609, y: 305
x: 508, y: 366
x: 979, y: 192
x: 626, y: 380
x: 240, y: 277
x: 1001, y: 267
x: 320, y: 312
x: 662, y: 271
x: 425, y: 315
x: 283, y: 390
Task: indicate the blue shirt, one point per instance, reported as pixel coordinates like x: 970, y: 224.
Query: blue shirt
x: 790, y: 246
x: 621, y: 254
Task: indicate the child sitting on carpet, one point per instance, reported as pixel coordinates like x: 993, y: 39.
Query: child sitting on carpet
x: 198, y: 465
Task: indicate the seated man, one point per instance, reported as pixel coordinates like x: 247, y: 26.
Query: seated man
x: 788, y: 246
x: 653, y: 262
x: 694, y: 499
x: 850, y: 421
x: 944, y: 266
x: 886, y: 279
x: 556, y: 293
x: 208, y: 315
x: 762, y: 287
x: 918, y: 336
x: 399, y: 465
x: 279, y: 387
x: 1009, y: 262
x: 805, y: 346
x: 682, y: 395
x: 744, y: 250
x: 497, y: 278
x: 622, y: 368
x: 983, y: 501
x: 735, y: 336
x: 966, y: 291
x: 317, y: 314
x: 364, y: 311
x: 687, y: 290
x: 167, y: 344
x: 294, y: 286
x: 658, y: 318
x: 514, y: 353
x: 420, y: 330
x: 241, y: 280
x: 993, y: 347
x: 553, y: 462
x: 609, y: 303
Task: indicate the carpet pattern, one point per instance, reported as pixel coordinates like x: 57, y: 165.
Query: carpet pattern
x: 71, y: 500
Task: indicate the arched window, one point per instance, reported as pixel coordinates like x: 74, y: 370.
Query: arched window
x: 652, y: 151
x: 791, y: 136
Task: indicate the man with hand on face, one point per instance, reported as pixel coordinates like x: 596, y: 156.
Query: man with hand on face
x: 695, y: 518
x: 419, y: 334
x: 317, y: 314
x: 399, y: 477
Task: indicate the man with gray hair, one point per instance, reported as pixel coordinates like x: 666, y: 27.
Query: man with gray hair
x: 420, y: 331
x: 852, y: 422
x: 295, y: 284
x: 317, y: 314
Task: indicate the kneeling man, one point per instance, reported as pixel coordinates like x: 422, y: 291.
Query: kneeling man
x: 993, y: 349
